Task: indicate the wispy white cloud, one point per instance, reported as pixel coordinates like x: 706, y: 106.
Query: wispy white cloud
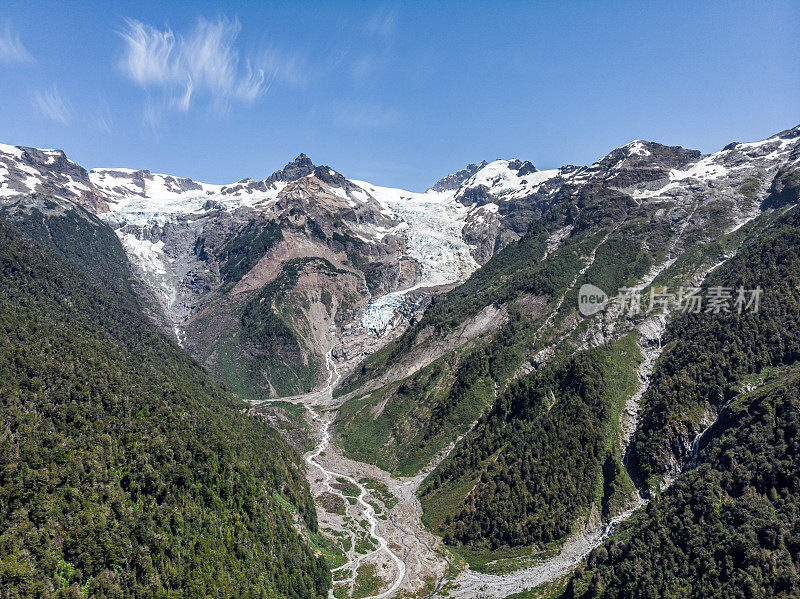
x: 364, y: 67
x: 373, y: 47
x: 52, y: 105
x: 12, y: 50
x: 204, y: 62
x: 151, y: 116
x: 286, y: 68
x: 104, y: 120
x: 367, y: 116
x: 382, y: 22
x: 148, y: 57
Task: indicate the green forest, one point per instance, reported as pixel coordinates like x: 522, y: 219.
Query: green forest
x: 731, y: 526
x: 728, y: 529
x: 125, y: 471
x: 546, y: 451
x: 77, y: 236
x: 706, y: 357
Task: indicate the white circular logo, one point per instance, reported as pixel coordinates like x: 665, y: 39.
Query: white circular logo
x: 591, y: 299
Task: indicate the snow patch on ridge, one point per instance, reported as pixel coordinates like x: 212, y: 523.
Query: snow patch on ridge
x: 637, y: 148
x: 12, y: 150
x: 141, y: 198
x: 704, y: 169
x: 501, y: 179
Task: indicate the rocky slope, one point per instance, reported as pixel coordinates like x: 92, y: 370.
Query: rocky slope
x: 644, y: 217
x: 30, y: 170
x: 450, y: 314
x: 199, y: 252
x: 454, y: 180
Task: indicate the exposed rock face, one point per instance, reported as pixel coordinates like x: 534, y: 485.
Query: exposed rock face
x: 454, y: 180
x: 298, y: 168
x: 326, y: 196
x: 506, y: 196
x: 298, y: 312
x: 484, y: 231
x: 642, y: 162
x: 26, y: 170
x: 203, y: 252
x: 193, y: 246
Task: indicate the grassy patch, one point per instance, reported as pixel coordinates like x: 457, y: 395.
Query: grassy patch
x: 403, y: 425
x: 329, y: 549
x: 347, y: 488
x: 508, y: 559
x: 367, y: 581
x: 751, y: 186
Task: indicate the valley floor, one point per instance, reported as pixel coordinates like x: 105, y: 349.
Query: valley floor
x: 372, y: 519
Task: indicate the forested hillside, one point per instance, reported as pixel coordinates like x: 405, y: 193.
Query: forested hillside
x: 541, y: 458
x: 125, y: 471
x: 420, y: 418
x: 706, y: 356
x: 77, y: 236
x: 730, y: 527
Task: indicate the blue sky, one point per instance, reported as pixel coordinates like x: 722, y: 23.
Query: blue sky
x: 398, y: 93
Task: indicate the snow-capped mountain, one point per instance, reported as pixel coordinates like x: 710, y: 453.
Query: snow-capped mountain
x: 304, y: 280
x: 26, y: 170
x: 146, y: 198
x: 427, y: 226
x: 506, y: 196
x: 454, y: 180
x: 200, y: 250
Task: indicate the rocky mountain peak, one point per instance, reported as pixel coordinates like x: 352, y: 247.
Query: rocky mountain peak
x: 454, y: 180
x: 641, y: 161
x: 330, y: 176
x: 789, y: 133
x: 639, y: 152
x: 296, y: 169
x: 522, y: 168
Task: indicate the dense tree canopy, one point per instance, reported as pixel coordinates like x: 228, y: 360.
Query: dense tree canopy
x: 545, y: 452
x: 125, y: 471
x: 730, y: 528
x: 707, y: 355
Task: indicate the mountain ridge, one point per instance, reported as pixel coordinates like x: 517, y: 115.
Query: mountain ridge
x: 448, y: 322
x: 180, y: 234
